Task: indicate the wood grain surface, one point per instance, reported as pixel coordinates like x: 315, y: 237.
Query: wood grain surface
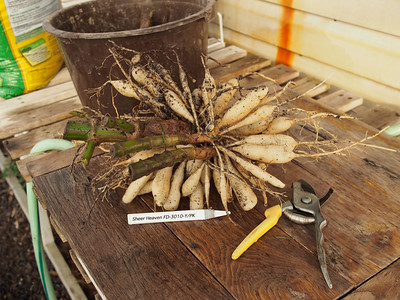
x: 361, y: 239
x: 192, y: 260
x: 126, y: 262
x: 382, y: 286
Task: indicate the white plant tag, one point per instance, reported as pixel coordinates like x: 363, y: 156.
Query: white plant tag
x: 174, y: 216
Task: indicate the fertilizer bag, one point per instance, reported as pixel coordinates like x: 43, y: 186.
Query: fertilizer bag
x: 29, y: 57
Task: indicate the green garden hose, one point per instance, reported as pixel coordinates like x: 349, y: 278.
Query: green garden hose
x: 45, y: 145
x: 393, y: 130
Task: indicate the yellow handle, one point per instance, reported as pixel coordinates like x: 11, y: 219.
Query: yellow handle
x: 272, y: 215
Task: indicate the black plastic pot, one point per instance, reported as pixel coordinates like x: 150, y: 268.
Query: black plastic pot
x: 85, y: 33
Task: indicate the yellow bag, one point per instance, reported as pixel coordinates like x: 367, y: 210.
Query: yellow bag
x: 29, y: 57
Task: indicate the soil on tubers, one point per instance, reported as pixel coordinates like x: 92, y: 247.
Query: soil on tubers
x: 178, y: 142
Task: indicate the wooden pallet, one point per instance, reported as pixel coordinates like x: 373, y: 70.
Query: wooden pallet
x: 45, y: 112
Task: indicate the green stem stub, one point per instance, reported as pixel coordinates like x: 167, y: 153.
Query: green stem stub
x: 87, y: 155
x: 77, y: 131
x: 112, y: 122
x: 157, y: 141
x: 168, y: 159
x: 151, y: 142
x: 83, y: 131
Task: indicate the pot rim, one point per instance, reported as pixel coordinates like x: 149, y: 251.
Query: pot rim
x: 207, y: 13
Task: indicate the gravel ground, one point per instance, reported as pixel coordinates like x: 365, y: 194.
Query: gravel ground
x: 19, y: 277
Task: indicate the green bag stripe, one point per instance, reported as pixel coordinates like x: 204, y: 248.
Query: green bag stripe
x: 11, y: 82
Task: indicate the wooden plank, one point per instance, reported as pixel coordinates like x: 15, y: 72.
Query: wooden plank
x: 55, y: 161
x: 15, y: 185
x: 224, y: 56
x: 53, y: 253
x: 37, y: 99
x: 64, y: 273
x: 39, y: 116
x: 348, y: 47
x: 359, y: 85
x: 341, y: 100
x: 134, y: 261
x: 384, y: 164
x: 22, y: 144
x: 214, y: 44
x: 272, y: 77
x: 359, y: 110
x: 269, y: 259
x: 62, y: 76
x: 248, y: 64
x: 57, y: 229
x: 382, y: 286
x: 350, y: 241
x: 360, y: 181
x: 310, y: 87
x: 369, y: 170
x: 280, y: 73
x: 79, y: 266
x: 43, y: 163
x: 376, y: 17
x: 379, y: 116
x: 62, y: 269
x: 22, y: 165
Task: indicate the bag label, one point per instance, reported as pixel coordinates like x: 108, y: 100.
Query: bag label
x: 26, y: 17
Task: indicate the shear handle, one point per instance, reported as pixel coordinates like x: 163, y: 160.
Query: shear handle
x: 308, y: 202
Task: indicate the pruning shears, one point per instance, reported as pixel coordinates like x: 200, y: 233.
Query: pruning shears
x: 305, y: 208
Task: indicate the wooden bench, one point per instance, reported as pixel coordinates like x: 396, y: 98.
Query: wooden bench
x: 192, y: 259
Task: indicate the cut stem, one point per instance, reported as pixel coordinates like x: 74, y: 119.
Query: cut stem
x: 87, y: 155
x: 113, y: 122
x: 83, y: 132
x: 157, y: 141
x: 168, y: 159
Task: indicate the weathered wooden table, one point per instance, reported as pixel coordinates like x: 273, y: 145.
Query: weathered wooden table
x: 192, y: 260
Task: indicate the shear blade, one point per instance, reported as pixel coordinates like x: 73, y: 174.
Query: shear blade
x: 305, y: 186
x: 326, y: 197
